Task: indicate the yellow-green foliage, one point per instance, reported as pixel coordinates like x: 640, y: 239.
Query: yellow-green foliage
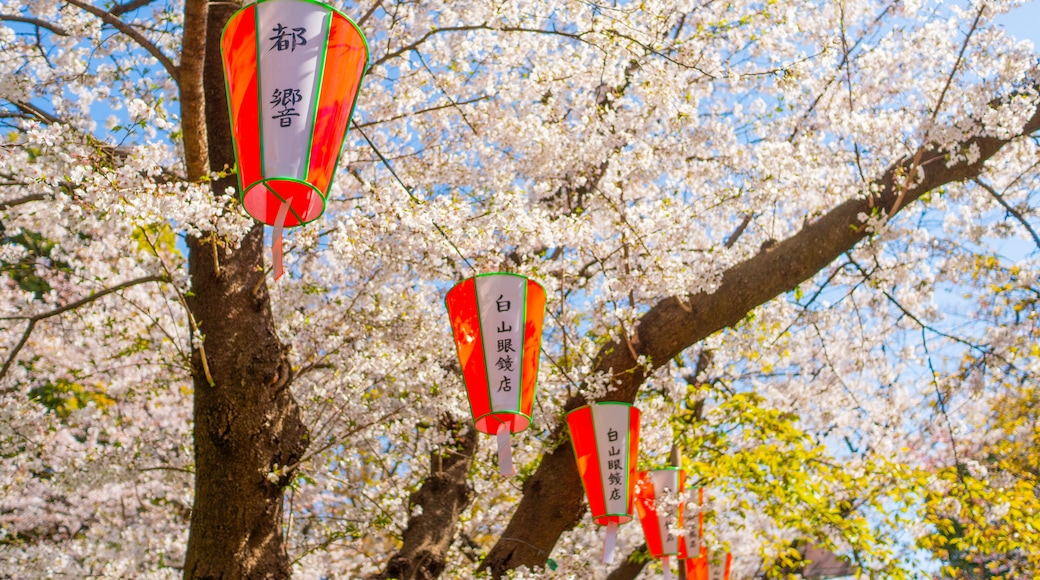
x: 762, y: 458
x: 986, y: 513
x: 63, y: 397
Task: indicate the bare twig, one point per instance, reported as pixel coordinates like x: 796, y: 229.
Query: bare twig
x: 32, y: 320
x: 369, y: 13
x: 909, y: 176
x: 333, y: 441
x: 422, y: 111
x: 454, y: 104
x: 1003, y: 202
x: 115, y: 22
x: 732, y: 239
x: 191, y: 317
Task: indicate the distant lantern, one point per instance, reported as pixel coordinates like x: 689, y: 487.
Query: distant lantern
x: 497, y: 323
x: 659, y: 503
x: 292, y: 69
x: 692, y: 545
x: 713, y: 566
x: 606, y: 445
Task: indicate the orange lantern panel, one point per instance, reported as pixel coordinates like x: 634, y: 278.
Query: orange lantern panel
x: 659, y: 503
x: 606, y: 445
x: 715, y: 566
x: 660, y: 509
x: 497, y: 322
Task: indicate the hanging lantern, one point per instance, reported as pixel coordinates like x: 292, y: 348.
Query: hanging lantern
x: 714, y: 566
x: 292, y: 70
x: 692, y: 545
x: 606, y: 445
x: 497, y: 323
x: 659, y: 503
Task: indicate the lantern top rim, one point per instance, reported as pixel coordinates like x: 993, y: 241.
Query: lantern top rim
x: 485, y: 274
x: 255, y: 3
x: 589, y: 405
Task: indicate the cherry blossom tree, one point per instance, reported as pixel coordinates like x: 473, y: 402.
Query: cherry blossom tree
x: 799, y: 235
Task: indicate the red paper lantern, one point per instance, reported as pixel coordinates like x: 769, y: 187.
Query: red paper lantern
x: 693, y: 540
x: 497, y: 324
x: 713, y: 566
x: 606, y: 445
x: 292, y: 69
x: 659, y: 503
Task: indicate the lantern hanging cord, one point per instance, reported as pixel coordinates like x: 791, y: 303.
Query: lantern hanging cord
x: 408, y: 190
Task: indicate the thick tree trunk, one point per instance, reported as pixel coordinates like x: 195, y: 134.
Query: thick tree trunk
x: 247, y: 424
x: 552, y: 502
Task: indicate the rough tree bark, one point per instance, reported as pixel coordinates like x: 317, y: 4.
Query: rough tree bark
x: 246, y: 421
x: 441, y: 499
x: 632, y: 565
x: 552, y: 501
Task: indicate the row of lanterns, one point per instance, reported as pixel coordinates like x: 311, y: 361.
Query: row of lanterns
x: 497, y: 322
x: 293, y: 69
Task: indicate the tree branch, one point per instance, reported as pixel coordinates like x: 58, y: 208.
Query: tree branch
x: 369, y: 13
x: 21, y: 200
x: 633, y: 564
x: 61, y: 310
x: 552, y: 502
x: 115, y: 22
x: 35, y: 22
x: 120, y: 9
x: 192, y: 89
x: 35, y: 111
x: 450, y: 104
x: 441, y: 499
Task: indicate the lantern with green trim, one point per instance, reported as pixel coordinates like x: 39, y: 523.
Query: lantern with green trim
x: 659, y: 503
x: 709, y: 566
x: 292, y: 70
x: 497, y: 321
x: 606, y: 445
x: 692, y: 545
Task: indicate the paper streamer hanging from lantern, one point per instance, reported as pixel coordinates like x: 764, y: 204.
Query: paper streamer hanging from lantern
x: 606, y: 445
x: 497, y: 321
x: 292, y: 70
x: 713, y: 566
x: 659, y: 503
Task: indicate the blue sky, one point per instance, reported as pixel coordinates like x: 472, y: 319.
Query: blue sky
x: 1023, y: 22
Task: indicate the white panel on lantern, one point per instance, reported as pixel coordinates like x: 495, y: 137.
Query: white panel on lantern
x: 611, y: 424
x: 666, y: 500
x: 691, y: 531
x: 290, y: 38
x: 717, y: 566
x: 502, y: 301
